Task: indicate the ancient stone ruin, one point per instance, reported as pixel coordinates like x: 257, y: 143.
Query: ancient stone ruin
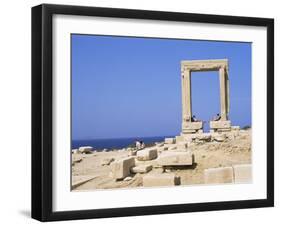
x: 188, y: 126
x: 170, y: 162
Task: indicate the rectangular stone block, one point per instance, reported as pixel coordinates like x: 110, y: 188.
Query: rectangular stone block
x: 243, y: 173
x: 175, y: 158
x: 179, y: 139
x: 169, y: 140
x: 121, y: 168
x: 152, y: 180
x: 218, y: 175
x: 147, y: 154
x: 141, y: 169
x: 86, y: 150
x: 220, y: 124
x: 193, y: 125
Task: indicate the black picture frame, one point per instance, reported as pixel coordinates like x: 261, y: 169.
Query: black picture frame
x: 42, y: 197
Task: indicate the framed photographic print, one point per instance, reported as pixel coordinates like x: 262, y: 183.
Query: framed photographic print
x: 145, y: 112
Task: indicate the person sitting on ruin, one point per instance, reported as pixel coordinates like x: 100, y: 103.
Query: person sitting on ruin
x: 194, y: 119
x: 142, y: 145
x: 217, y: 117
x: 138, y: 144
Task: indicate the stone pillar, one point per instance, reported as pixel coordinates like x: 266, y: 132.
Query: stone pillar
x: 223, y: 93
x: 186, y: 96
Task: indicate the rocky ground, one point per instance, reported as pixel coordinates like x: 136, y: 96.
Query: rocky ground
x: 94, y: 169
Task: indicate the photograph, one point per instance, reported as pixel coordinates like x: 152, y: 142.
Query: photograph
x: 159, y: 112
x: 146, y: 112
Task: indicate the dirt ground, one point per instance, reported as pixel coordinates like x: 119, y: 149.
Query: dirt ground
x: 206, y: 155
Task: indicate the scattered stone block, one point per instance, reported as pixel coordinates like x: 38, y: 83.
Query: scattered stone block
x: 219, y: 137
x: 218, y: 175
x: 86, y: 150
x: 107, y: 161
x: 175, y: 158
x: 151, y: 180
x: 147, y: 154
x: 169, y: 140
x: 121, y: 168
x: 141, y: 169
x: 242, y: 173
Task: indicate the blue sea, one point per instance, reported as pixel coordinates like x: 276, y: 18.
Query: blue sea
x: 115, y: 143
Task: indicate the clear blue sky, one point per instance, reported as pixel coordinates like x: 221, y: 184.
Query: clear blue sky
x: 131, y: 87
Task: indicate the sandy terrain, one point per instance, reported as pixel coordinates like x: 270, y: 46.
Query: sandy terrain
x: 90, y: 168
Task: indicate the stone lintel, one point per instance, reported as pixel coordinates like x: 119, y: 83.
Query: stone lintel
x: 204, y: 65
